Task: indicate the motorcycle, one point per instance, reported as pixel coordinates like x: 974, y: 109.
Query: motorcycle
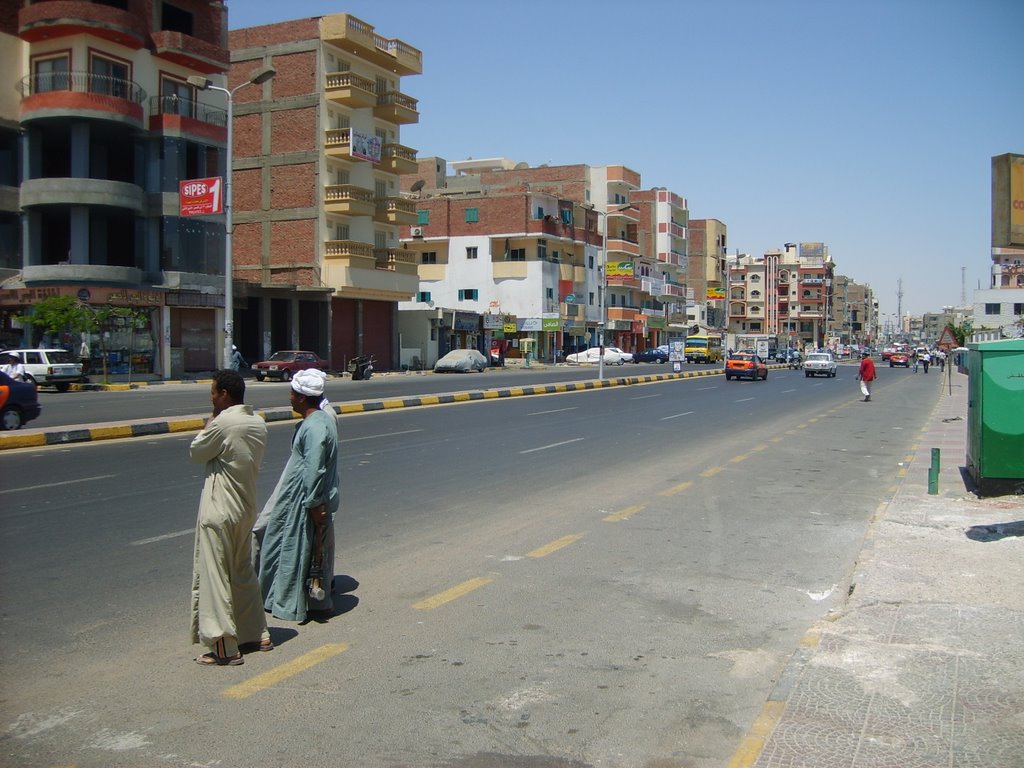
x: 361, y: 367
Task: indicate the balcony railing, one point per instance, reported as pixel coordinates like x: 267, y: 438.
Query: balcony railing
x: 338, y: 249
x: 396, y: 107
x: 172, y: 105
x: 351, y: 89
x: 398, y: 159
x: 82, y: 82
x: 387, y: 258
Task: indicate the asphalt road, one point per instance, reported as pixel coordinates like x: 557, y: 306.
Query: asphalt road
x: 189, y: 398
x: 609, y: 578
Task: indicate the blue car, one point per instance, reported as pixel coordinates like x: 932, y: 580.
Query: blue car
x: 19, y: 402
x: 656, y: 355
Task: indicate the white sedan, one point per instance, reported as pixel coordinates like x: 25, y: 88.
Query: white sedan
x: 627, y: 357
x: 593, y: 355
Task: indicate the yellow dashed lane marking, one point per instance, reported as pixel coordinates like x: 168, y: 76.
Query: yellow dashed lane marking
x: 555, y: 545
x: 738, y: 459
x: 676, y: 489
x: 283, y: 672
x: 775, y: 440
x: 711, y: 472
x: 761, y: 447
x: 451, y: 594
x: 625, y: 514
x: 901, y: 472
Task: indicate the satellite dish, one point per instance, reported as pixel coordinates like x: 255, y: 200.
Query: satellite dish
x: 418, y: 185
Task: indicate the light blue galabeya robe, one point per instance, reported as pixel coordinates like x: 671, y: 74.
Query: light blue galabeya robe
x: 310, y: 478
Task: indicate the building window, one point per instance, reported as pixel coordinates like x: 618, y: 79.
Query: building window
x: 590, y: 262
x: 555, y: 257
x: 590, y: 299
x: 423, y: 217
x: 471, y: 252
x: 542, y: 249
x: 550, y: 293
x: 177, y: 98
x: 566, y: 215
x: 468, y: 294
x: 174, y: 19
x: 428, y: 257
x: 517, y: 254
x: 108, y: 77
x: 423, y: 297
x: 1018, y: 308
x: 472, y: 215
x: 51, y: 74
x: 540, y: 212
x: 991, y: 309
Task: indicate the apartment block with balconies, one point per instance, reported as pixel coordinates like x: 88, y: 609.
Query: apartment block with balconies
x: 107, y: 128
x: 317, y: 160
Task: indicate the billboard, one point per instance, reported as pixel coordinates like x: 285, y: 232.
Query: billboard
x: 365, y: 146
x: 619, y: 269
x: 1017, y: 195
x: 200, y: 197
x: 716, y: 294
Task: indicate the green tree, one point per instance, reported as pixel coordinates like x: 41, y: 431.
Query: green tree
x: 960, y: 332
x: 58, y: 314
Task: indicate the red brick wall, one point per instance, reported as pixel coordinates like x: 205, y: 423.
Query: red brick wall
x: 246, y: 194
x: 246, y: 247
x: 293, y: 130
x: 293, y: 242
x: 248, y: 136
x: 269, y: 34
x: 296, y: 75
x: 293, y: 186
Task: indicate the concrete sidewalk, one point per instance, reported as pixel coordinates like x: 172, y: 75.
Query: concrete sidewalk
x: 921, y: 667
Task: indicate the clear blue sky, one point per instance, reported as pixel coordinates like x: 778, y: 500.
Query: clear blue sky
x: 867, y: 125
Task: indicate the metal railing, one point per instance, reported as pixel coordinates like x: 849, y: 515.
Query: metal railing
x: 82, y: 82
x: 174, y: 105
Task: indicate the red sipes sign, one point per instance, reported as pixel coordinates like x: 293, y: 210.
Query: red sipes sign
x: 201, y: 197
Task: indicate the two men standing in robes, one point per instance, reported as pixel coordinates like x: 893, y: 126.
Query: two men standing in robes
x: 298, y: 519
x: 227, y: 610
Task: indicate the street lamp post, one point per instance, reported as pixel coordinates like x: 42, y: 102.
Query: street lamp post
x: 602, y: 287
x: 261, y: 75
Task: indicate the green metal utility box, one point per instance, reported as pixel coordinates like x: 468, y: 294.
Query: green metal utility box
x: 995, y: 416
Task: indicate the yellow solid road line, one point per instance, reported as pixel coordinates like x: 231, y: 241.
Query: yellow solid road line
x: 283, y: 672
x: 676, y: 489
x: 711, y: 472
x: 750, y: 748
x: 451, y: 594
x: 555, y: 545
x: 625, y: 514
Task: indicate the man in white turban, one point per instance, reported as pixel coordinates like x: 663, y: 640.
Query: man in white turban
x: 297, y: 522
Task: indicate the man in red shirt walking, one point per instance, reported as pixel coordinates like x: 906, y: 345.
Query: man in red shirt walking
x: 866, y: 374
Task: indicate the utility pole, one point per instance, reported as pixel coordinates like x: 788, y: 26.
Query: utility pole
x: 899, y: 303
x: 963, y: 286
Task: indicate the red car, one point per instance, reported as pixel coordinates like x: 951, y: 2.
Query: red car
x: 285, y: 364
x: 899, y: 358
x: 745, y: 365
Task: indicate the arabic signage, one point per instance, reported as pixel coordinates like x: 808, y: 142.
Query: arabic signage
x: 551, y: 322
x: 120, y: 297
x: 200, y: 197
x: 619, y: 269
x: 716, y: 294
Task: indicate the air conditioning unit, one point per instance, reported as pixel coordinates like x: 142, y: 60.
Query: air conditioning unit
x: 417, y: 231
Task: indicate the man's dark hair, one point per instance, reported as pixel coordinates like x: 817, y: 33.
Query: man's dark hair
x: 232, y: 383
x: 312, y: 401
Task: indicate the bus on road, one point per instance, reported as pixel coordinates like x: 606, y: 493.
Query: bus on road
x: 704, y: 348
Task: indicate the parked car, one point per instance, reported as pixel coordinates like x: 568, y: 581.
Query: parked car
x: 593, y: 355
x: 656, y: 355
x: 19, y: 402
x: 745, y: 365
x: 820, y: 364
x: 48, y: 367
x: 901, y: 359
x: 627, y: 357
x: 285, y: 364
x: 461, y: 361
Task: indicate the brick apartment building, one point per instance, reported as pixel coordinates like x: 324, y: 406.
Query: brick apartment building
x: 512, y: 253
x: 317, y: 208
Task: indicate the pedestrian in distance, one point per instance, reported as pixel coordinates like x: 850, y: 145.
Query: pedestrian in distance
x: 926, y: 360
x: 227, y: 608
x: 12, y: 367
x: 294, y: 533
x: 237, y: 361
x: 866, y: 374
x: 914, y: 359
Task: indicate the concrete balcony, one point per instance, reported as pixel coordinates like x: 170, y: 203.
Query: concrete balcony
x: 359, y: 38
x: 617, y: 247
x: 432, y: 272
x: 359, y: 271
x: 81, y: 273
x: 190, y: 52
x: 186, y: 117
x: 53, y: 19
x: 395, y: 158
x: 509, y: 269
x: 350, y: 90
x: 626, y: 314
x: 396, y: 108
x: 81, y: 94
x: 349, y: 200
x: 77, y: 191
x: 338, y: 144
x: 395, y: 210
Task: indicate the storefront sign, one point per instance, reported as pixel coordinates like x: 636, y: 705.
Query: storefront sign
x: 551, y: 322
x: 493, y: 322
x: 200, y: 197
x: 466, y: 321
x: 619, y: 269
x: 120, y: 297
x: 530, y: 324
